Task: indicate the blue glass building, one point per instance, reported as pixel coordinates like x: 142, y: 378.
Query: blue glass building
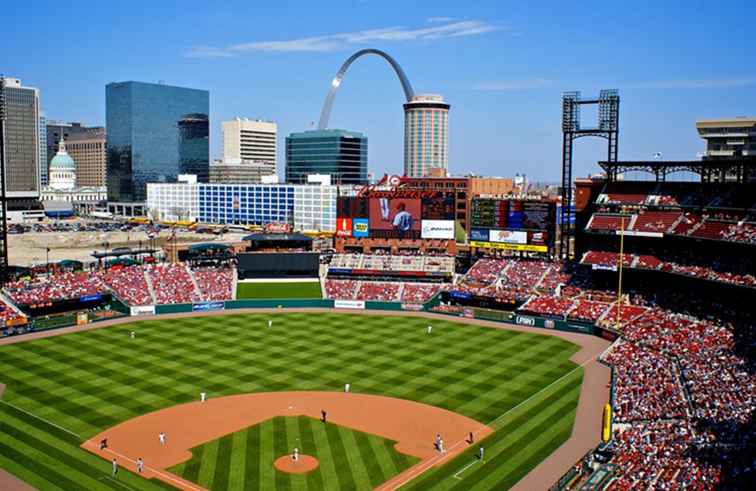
x: 154, y: 133
x: 243, y: 204
x: 339, y: 153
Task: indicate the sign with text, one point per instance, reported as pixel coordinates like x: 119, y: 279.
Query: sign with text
x: 437, y: 229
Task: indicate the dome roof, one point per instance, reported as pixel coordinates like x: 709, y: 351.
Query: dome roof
x: 62, y: 161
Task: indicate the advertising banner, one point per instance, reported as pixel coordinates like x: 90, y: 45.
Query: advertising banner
x: 508, y: 236
x: 360, y: 227
x: 90, y: 298
x: 480, y: 234
x: 207, y: 306
x: 349, y: 304
x: 142, y: 310
x: 510, y: 247
x: 344, y: 227
x: 437, y: 229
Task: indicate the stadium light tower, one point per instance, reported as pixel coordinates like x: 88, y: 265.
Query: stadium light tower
x: 3, y: 200
x: 607, y: 127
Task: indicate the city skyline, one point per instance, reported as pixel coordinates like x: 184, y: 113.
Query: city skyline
x: 503, y: 71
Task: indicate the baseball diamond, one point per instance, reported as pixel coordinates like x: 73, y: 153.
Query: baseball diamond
x: 67, y: 391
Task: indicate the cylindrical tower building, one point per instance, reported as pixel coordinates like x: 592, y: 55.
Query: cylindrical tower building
x: 426, y: 136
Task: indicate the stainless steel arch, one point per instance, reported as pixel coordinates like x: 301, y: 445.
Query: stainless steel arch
x: 325, y: 114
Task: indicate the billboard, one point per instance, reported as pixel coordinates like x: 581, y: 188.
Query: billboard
x: 508, y: 236
x: 360, y: 227
x: 344, y: 227
x: 480, y: 234
x: 437, y: 229
x: 509, y: 247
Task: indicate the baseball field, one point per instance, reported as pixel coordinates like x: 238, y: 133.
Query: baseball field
x: 517, y: 392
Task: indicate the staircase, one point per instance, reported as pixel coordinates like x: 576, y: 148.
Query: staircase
x: 150, y: 287
x: 197, y: 290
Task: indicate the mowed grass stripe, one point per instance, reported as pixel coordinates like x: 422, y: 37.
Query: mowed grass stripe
x: 330, y: 474
x: 255, y: 449
x: 357, y: 465
x: 238, y: 461
x: 281, y: 447
x: 340, y: 458
x: 222, y: 463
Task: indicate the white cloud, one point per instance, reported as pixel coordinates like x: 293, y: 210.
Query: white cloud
x: 733, y: 83
x: 435, y: 20
x: 333, y: 42
x: 512, y: 85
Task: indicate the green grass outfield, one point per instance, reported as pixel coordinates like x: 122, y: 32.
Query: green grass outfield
x: 89, y: 381
x: 294, y: 289
x: 244, y: 460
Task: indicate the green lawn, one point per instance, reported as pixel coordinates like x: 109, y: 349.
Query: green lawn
x: 244, y: 460
x: 295, y: 289
x: 89, y: 381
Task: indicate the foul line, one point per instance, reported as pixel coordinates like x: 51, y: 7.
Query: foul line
x: 42, y: 419
x: 164, y: 475
x: 465, y: 468
x: 427, y: 464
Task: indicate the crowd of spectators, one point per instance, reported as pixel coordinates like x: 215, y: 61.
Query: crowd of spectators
x: 215, y: 283
x: 57, y: 286
x: 129, y: 284
x: 172, y: 283
x: 382, y: 291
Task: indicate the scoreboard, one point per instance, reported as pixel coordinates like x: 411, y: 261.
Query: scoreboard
x: 512, y: 214
x: 515, y: 224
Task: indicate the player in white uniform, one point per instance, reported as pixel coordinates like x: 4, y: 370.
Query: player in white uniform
x: 430, y: 328
x: 270, y: 323
x: 161, y: 436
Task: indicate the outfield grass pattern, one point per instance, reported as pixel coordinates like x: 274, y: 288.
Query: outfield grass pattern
x: 244, y: 460
x: 87, y: 382
x: 278, y: 290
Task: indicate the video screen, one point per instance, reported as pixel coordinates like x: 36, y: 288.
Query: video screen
x: 439, y: 207
x: 400, y: 216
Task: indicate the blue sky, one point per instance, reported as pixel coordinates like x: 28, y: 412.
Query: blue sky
x: 501, y: 65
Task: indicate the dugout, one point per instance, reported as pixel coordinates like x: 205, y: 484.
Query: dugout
x: 278, y: 265
x: 278, y: 242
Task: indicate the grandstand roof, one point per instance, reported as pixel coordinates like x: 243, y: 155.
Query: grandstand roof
x: 296, y: 237
x: 662, y: 168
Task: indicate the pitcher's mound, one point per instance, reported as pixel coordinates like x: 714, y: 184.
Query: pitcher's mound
x: 306, y: 463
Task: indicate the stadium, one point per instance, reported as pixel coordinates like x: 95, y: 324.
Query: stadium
x: 533, y: 372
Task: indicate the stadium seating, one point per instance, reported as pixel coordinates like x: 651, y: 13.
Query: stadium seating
x: 341, y: 289
x: 129, y: 284
x: 609, y: 222
x: 655, y: 221
x: 215, y: 283
x: 57, y: 286
x: 172, y: 283
x: 416, y: 293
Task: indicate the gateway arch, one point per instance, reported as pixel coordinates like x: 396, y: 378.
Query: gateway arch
x: 325, y: 114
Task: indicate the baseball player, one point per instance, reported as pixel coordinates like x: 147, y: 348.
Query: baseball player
x: 471, y: 438
x: 132, y: 334
x: 346, y: 387
x: 441, y: 446
x: 295, y: 455
x: 203, y: 396
x: 161, y: 436
x: 437, y: 444
x: 103, y: 444
x: 323, y: 415
x: 140, y: 465
x: 430, y: 328
x: 115, y: 467
x: 480, y: 453
x: 270, y: 322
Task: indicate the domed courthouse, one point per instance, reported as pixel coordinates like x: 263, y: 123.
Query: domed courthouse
x: 62, y: 179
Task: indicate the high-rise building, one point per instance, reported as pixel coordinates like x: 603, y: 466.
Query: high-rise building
x: 21, y: 140
x: 339, y: 153
x: 249, y: 140
x: 42, y: 149
x: 236, y: 171
x: 426, y: 136
x: 154, y: 133
x: 729, y: 137
x: 57, y: 130
x: 89, y: 151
